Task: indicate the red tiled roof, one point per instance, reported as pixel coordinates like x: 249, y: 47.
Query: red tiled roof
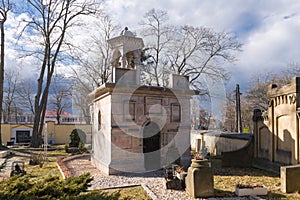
x: 53, y: 113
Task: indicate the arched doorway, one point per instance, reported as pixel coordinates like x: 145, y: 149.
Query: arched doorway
x: 151, y: 146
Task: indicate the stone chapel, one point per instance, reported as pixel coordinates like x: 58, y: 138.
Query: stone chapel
x: 138, y: 128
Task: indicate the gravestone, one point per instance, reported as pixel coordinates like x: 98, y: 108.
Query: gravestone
x: 290, y: 176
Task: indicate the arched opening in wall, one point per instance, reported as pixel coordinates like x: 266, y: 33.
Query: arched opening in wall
x: 99, y: 120
x: 151, y: 146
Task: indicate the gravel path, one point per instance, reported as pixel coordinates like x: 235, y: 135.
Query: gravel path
x: 154, y: 180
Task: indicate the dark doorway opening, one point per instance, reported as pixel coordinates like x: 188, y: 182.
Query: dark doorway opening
x: 151, y: 146
x: 23, y: 137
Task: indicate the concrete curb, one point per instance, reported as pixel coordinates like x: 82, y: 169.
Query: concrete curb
x: 75, y: 157
x: 149, y: 192
x: 61, y: 171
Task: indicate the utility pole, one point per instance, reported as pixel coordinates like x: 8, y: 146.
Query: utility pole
x: 238, y: 114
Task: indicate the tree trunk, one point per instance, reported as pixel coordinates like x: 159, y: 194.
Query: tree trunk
x: 58, y: 116
x: 40, y: 108
x: 1, y: 78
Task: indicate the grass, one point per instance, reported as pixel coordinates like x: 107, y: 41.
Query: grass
x: 49, y: 168
x: 132, y: 193
x: 225, y: 180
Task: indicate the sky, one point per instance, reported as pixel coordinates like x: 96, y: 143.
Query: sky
x: 269, y: 30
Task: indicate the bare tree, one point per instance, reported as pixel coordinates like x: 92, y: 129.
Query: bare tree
x: 229, y: 112
x: 52, y: 20
x: 258, y: 88
x: 247, y: 114
x: 292, y: 70
x: 26, y: 95
x: 187, y: 50
x: 158, y: 33
x: 60, y: 97
x: 4, y: 9
x: 94, y: 69
x: 199, y: 50
x: 95, y: 66
x: 10, y: 91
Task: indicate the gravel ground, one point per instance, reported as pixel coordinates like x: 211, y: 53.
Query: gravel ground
x: 154, y: 181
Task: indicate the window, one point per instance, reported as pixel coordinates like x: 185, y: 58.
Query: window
x: 153, y: 105
x: 99, y: 120
x: 129, y: 110
x: 175, y: 113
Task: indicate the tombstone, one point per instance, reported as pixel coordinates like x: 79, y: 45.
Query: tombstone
x: 289, y: 176
x: 200, y: 180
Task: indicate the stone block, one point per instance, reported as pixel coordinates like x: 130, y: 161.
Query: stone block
x: 251, y: 191
x: 3, y: 154
x: 290, y: 176
x: 179, y: 82
x: 124, y: 76
x: 199, y: 180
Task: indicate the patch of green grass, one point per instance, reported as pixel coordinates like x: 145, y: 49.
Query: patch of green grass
x: 49, y: 167
x: 37, y: 174
x: 130, y: 193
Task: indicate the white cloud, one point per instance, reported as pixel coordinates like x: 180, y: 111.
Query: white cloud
x: 269, y: 29
x: 273, y: 45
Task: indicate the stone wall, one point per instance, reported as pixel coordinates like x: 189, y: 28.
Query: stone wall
x: 242, y: 157
x: 217, y: 142
x: 277, y: 129
x: 60, y: 132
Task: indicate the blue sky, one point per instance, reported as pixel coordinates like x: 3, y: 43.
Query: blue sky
x: 269, y: 30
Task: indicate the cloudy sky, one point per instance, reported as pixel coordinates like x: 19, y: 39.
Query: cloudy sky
x: 269, y: 30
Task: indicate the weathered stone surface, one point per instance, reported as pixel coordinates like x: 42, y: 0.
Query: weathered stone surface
x: 3, y: 154
x: 276, y: 130
x: 122, y: 111
x: 290, y: 176
x: 199, y: 181
x: 239, y: 158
